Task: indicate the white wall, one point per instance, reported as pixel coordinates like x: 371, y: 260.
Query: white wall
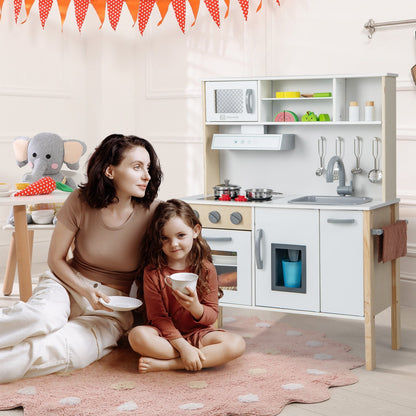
x: 98, y: 82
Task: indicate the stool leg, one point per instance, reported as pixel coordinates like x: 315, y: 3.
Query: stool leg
x: 10, y: 268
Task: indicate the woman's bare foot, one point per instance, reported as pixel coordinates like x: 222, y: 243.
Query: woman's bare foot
x: 148, y: 364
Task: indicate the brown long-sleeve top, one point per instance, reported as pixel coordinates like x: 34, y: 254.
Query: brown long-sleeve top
x: 166, y: 314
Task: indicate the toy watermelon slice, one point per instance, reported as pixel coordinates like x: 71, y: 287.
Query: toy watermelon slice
x: 43, y: 186
x: 287, y: 116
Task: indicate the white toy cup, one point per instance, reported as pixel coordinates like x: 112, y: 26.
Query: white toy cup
x: 179, y: 281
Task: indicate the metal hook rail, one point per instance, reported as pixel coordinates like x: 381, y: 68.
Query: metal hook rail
x: 371, y: 25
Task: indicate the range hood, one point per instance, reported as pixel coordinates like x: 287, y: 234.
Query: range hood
x: 253, y: 141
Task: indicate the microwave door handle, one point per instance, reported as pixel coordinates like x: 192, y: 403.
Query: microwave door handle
x: 259, y: 238
x: 249, y: 100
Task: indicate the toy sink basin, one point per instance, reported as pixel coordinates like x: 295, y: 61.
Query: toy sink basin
x: 330, y: 200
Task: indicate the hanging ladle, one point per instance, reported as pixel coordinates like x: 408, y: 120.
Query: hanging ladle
x: 321, y: 151
x: 375, y: 174
x: 338, y: 152
x: 357, y: 152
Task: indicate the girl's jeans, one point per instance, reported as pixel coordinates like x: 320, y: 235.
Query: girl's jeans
x: 56, y: 330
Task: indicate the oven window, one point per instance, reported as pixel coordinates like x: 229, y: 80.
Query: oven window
x: 225, y: 263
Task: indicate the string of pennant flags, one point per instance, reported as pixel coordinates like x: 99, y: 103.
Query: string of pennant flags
x: 140, y: 10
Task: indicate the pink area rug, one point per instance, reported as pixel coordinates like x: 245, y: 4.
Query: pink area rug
x: 281, y: 365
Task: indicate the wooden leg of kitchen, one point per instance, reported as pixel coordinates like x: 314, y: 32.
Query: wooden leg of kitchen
x: 22, y: 252
x: 395, y: 291
x: 218, y: 322
x: 369, y: 292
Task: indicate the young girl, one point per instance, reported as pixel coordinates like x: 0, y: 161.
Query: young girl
x: 180, y: 334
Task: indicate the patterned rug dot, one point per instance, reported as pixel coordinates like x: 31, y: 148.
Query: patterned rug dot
x: 313, y: 343
x: 124, y: 385
x: 248, y: 398
x: 191, y: 406
x: 255, y: 371
x: 198, y: 384
x: 293, y: 333
x: 322, y: 356
x: 29, y: 390
x: 292, y: 386
x: 263, y: 325
x: 127, y: 407
x: 70, y: 401
x: 315, y: 371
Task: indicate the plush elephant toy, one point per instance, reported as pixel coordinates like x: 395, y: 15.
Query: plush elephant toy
x: 46, y: 153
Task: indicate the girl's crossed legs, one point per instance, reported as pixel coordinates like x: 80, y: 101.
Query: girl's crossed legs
x: 157, y: 353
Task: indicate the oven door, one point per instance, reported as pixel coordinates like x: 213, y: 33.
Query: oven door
x: 231, y: 254
x: 231, y: 101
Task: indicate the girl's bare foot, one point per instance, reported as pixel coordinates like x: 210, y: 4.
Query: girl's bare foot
x: 148, y: 364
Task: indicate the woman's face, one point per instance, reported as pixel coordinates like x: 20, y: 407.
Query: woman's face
x: 131, y: 176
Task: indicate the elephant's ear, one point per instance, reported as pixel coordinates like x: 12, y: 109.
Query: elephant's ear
x: 20, y: 145
x: 73, y: 150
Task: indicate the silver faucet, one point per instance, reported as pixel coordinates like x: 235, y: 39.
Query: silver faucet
x: 342, y: 189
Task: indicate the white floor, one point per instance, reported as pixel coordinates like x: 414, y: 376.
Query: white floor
x: 388, y: 390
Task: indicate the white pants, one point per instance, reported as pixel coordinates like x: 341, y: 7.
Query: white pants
x: 56, y: 330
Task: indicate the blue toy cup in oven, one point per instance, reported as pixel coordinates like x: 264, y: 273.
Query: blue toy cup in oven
x: 292, y: 273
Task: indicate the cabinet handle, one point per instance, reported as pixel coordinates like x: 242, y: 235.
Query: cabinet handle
x: 259, y: 260
x: 340, y: 220
x: 218, y: 239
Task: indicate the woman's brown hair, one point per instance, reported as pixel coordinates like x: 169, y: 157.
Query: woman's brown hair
x: 99, y: 190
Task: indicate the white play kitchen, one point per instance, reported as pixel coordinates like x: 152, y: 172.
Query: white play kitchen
x: 300, y: 179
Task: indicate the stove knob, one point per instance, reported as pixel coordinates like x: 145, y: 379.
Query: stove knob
x: 196, y: 213
x: 214, y: 216
x: 236, y: 218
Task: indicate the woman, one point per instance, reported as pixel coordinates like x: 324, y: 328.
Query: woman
x: 63, y: 326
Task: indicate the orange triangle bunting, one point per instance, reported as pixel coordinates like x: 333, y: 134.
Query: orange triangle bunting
x: 163, y: 6
x: 99, y: 7
x: 227, y: 2
x: 195, y: 8
x: 63, y: 9
x: 133, y: 6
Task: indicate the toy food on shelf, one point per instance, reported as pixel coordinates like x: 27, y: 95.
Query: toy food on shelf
x: 286, y: 116
x: 324, y: 117
x: 309, y: 116
x: 43, y: 186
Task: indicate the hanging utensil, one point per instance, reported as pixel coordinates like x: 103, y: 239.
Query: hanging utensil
x: 321, y: 152
x: 375, y: 175
x: 338, y: 152
x: 358, y: 145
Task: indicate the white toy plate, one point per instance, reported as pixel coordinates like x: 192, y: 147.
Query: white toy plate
x: 122, y: 303
x: 6, y: 193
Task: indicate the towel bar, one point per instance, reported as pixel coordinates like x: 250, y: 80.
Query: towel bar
x: 379, y: 231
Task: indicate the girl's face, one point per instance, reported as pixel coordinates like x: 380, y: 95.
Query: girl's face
x: 131, y: 176
x: 177, y: 241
